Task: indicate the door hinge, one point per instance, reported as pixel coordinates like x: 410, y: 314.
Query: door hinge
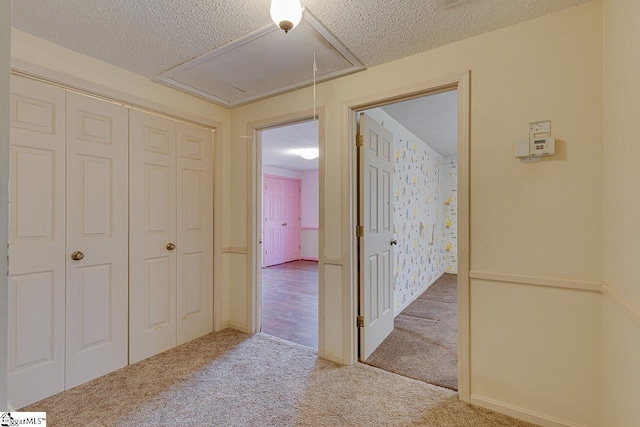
x: 359, y: 140
x: 360, y: 320
x: 360, y: 231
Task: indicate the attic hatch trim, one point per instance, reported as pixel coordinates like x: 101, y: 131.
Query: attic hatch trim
x: 448, y: 4
x: 167, y: 77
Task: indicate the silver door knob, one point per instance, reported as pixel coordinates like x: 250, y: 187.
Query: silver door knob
x: 77, y: 256
x: 170, y: 246
x: 394, y: 242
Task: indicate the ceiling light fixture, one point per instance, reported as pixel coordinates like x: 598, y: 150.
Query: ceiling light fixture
x: 306, y: 153
x: 286, y: 14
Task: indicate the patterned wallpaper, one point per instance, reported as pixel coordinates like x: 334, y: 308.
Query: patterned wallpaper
x: 418, y: 219
x: 451, y: 215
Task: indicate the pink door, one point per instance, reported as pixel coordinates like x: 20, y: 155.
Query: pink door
x: 281, y: 207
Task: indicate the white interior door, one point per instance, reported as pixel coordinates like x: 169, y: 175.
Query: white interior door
x: 152, y: 225
x: 292, y: 219
x: 375, y: 183
x: 36, y: 242
x: 273, y: 209
x: 97, y: 227
x: 195, y: 232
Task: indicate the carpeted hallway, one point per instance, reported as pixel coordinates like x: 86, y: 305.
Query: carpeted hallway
x: 234, y: 379
x: 423, y: 344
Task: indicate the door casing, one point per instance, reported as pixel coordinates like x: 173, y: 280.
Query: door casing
x: 254, y: 245
x: 461, y: 82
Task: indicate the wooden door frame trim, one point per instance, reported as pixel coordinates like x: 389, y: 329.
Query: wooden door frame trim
x: 460, y: 81
x: 254, y: 184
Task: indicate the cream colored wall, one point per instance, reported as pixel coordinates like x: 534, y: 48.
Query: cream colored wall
x: 34, y: 50
x: 5, y: 68
x: 105, y: 79
x: 621, y: 213
x: 536, y: 350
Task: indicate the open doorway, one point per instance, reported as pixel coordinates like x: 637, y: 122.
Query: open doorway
x: 423, y: 243
x: 290, y: 232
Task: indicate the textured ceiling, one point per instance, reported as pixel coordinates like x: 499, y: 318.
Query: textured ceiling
x: 432, y: 118
x: 271, y: 61
x: 278, y: 142
x: 151, y: 36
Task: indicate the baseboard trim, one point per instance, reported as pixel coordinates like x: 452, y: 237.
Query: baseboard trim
x: 238, y: 327
x: 337, y: 358
x: 522, y: 414
x: 632, y: 312
x: 223, y: 325
x: 547, y: 282
x: 332, y: 261
x: 308, y: 258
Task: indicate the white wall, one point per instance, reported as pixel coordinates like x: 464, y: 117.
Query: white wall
x: 523, y: 278
x: 621, y: 213
x: 310, y: 199
x: 5, y: 68
x: 310, y: 235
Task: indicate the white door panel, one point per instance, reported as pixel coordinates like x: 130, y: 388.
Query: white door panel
x: 36, y: 242
x: 195, y: 232
x: 152, y: 225
x: 97, y: 226
x: 375, y: 215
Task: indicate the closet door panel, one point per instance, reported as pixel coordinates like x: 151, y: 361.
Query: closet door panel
x: 195, y: 232
x: 97, y: 226
x: 36, y: 242
x: 152, y: 225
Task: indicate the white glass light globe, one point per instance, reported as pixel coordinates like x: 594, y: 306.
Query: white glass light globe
x: 306, y: 153
x: 286, y: 13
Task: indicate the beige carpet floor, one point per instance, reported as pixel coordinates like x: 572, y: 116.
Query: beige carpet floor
x: 234, y: 379
x: 423, y: 344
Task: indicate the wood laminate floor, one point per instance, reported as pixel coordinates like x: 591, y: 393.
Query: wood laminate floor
x: 290, y: 302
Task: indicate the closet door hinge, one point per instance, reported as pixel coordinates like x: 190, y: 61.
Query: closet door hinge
x: 359, y: 231
x: 360, y: 320
x: 359, y: 140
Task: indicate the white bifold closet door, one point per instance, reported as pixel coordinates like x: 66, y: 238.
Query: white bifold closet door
x: 36, y: 338
x: 171, y: 219
x: 67, y: 318
x: 97, y: 226
x: 195, y: 232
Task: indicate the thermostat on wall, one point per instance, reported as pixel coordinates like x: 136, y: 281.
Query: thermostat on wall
x: 540, y: 143
x: 542, y: 146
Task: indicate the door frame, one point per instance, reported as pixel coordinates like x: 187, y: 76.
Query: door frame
x: 461, y: 82
x: 254, y: 214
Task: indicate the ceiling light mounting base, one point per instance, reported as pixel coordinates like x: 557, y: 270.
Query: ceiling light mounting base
x: 286, y: 26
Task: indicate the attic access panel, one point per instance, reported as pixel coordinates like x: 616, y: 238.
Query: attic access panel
x: 264, y: 63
